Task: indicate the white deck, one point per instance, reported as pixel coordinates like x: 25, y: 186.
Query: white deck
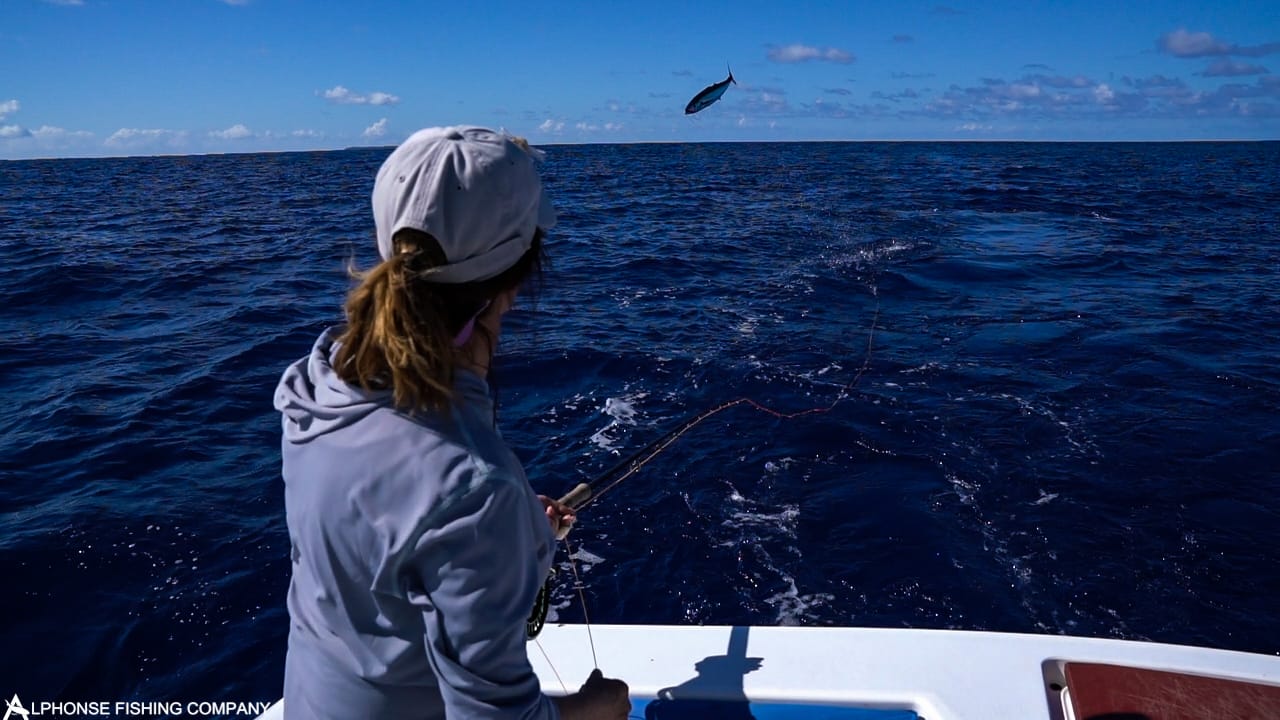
x: 940, y: 674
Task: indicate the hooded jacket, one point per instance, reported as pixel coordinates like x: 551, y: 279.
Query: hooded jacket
x: 418, y: 548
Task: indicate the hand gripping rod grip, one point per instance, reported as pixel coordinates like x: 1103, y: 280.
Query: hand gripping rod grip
x: 575, y: 499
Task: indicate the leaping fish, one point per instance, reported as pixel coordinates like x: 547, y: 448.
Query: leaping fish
x: 709, y: 95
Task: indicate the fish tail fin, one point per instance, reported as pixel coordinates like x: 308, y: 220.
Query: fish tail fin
x: 735, y: 82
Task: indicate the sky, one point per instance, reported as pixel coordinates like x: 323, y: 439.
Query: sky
x: 141, y: 77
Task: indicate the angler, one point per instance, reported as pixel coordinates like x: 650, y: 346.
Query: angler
x: 418, y: 545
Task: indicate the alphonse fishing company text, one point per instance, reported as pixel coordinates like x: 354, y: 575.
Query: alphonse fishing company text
x: 15, y: 709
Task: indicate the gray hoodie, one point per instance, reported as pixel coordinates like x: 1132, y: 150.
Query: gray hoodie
x: 418, y: 548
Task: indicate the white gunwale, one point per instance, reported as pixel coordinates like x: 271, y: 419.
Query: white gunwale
x: 939, y: 674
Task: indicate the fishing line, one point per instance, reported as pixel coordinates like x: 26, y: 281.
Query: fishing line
x: 559, y: 679
x: 582, y: 598
x: 641, y: 457
x: 580, y: 587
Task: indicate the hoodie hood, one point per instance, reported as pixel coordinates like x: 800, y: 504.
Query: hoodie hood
x: 314, y: 400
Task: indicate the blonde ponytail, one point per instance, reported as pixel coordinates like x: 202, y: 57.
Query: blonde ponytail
x: 401, y: 326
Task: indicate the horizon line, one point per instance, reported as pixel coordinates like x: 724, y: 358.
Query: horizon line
x: 1182, y: 141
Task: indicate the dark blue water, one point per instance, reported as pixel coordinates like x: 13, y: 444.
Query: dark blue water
x: 1069, y: 419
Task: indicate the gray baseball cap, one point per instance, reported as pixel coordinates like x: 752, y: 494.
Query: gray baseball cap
x: 475, y: 190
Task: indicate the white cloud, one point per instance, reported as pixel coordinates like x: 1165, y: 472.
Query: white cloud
x: 376, y: 130
x: 133, y: 137
x: 822, y: 107
x: 592, y: 127
x: 1230, y: 68
x: 1155, y: 82
x: 973, y: 127
x: 235, y: 132
x: 552, y: 126
x: 1060, y: 81
x: 342, y: 96
x: 339, y: 94
x: 307, y: 134
x: 236, y: 2
x: 56, y: 133
x: 767, y: 100
x: 8, y: 107
x: 1183, y: 44
x: 803, y: 53
x: 1024, y: 90
x: 65, y: 2
x: 47, y: 141
x: 897, y: 97
x: 1074, y: 97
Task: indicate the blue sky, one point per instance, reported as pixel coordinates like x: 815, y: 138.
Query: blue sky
x: 129, y: 77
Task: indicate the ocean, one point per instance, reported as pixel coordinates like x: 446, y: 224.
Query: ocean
x: 1049, y: 377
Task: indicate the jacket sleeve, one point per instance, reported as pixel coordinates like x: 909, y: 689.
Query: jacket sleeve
x: 475, y: 579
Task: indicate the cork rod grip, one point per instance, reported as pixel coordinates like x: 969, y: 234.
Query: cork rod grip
x: 577, y: 496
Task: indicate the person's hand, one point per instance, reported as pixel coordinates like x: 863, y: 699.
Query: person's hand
x: 599, y: 698
x: 558, y: 514
x: 608, y: 694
